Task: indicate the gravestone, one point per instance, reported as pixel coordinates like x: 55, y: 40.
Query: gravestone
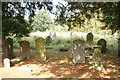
x: 25, y: 48
x: 48, y: 40
x: 10, y: 47
x: 89, y: 38
x: 40, y: 49
x: 97, y: 58
x: 103, y: 44
x: 6, y: 63
x: 79, y: 51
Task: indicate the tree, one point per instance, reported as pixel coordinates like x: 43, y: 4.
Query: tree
x: 79, y: 12
x: 42, y: 21
x: 13, y: 20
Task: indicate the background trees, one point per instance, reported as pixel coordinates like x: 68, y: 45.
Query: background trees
x: 42, y: 21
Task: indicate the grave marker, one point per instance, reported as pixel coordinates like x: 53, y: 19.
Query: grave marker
x: 89, y: 38
x: 103, y: 44
x: 40, y: 44
x: 25, y: 48
x: 79, y: 51
x: 6, y: 63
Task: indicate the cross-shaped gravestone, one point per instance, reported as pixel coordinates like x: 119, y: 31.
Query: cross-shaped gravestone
x: 89, y: 38
x: 40, y: 48
x: 79, y: 51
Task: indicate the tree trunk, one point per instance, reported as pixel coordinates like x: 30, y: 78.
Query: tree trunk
x: 10, y: 47
x: 4, y: 49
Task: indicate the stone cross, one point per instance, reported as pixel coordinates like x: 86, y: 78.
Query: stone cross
x: 79, y: 51
x: 40, y: 48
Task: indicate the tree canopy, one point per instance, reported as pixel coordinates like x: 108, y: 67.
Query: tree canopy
x: 75, y: 14
x: 13, y: 14
x: 42, y: 21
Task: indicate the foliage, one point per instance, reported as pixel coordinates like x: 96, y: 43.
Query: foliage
x: 63, y: 28
x: 77, y: 14
x: 13, y: 27
x: 42, y: 21
x: 13, y: 14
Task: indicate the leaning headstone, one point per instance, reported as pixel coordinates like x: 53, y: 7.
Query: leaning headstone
x: 103, y: 44
x: 97, y: 58
x: 48, y: 40
x: 79, y: 51
x: 10, y: 47
x: 6, y: 63
x: 89, y: 38
x: 40, y: 49
x: 25, y: 48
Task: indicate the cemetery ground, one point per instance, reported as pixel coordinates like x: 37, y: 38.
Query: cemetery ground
x: 59, y: 62
x: 60, y: 65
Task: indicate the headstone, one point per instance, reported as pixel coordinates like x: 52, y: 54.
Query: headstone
x: 97, y: 58
x: 48, y: 40
x: 103, y: 44
x: 40, y: 44
x: 10, y: 47
x: 89, y: 38
x: 25, y: 48
x: 6, y: 63
x: 54, y: 35
x: 79, y: 51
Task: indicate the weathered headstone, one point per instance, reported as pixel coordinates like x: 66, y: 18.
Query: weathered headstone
x: 10, y: 47
x: 40, y: 49
x: 97, y: 58
x: 79, y: 51
x: 103, y: 44
x: 6, y: 63
x: 48, y: 40
x: 89, y: 38
x: 25, y: 48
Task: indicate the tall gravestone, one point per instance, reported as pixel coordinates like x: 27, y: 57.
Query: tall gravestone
x: 103, y: 44
x: 79, y: 51
x: 48, y: 40
x: 40, y: 44
x: 10, y: 47
x: 89, y: 38
x: 25, y: 48
x: 97, y: 58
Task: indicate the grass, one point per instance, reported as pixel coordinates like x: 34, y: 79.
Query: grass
x: 66, y: 43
